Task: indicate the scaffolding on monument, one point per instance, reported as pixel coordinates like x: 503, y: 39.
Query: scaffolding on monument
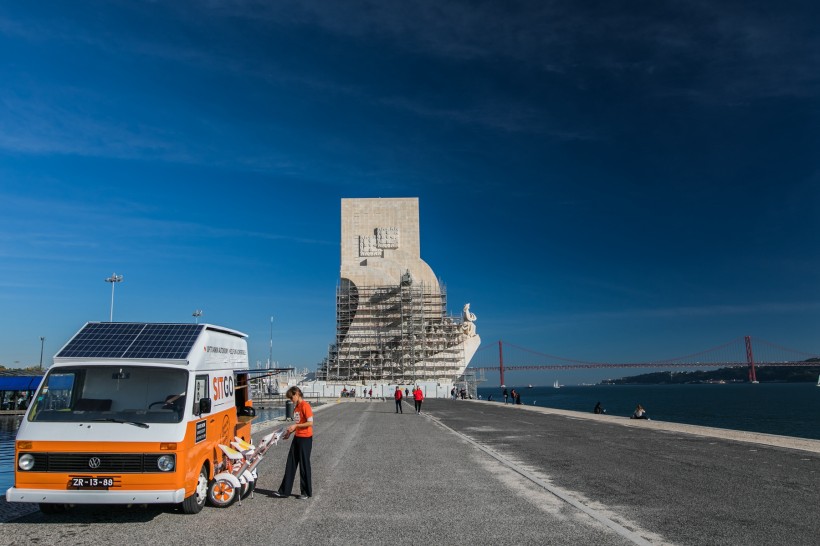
x: 396, y: 333
x: 469, y: 381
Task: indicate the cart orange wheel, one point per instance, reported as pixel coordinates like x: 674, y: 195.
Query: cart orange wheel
x: 221, y: 493
x: 246, y: 489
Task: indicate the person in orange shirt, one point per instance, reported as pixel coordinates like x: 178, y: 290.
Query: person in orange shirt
x: 299, y: 454
x: 418, y: 397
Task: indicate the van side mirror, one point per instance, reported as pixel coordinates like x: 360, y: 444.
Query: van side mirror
x: 204, y: 405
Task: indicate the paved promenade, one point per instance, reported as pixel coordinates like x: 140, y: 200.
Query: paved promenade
x: 479, y: 473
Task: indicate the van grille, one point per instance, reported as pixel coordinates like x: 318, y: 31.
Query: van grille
x: 121, y: 463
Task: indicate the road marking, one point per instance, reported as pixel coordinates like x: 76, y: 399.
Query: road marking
x: 597, y: 516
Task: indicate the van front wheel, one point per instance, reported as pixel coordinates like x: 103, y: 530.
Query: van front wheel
x: 195, y: 503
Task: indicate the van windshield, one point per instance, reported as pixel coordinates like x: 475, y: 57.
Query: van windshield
x: 127, y: 393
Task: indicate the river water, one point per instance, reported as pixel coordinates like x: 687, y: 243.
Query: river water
x: 788, y: 409
x: 8, y: 429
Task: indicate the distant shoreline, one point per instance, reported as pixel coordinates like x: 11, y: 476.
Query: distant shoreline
x: 738, y: 374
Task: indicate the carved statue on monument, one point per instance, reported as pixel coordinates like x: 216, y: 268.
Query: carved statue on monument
x: 467, y: 321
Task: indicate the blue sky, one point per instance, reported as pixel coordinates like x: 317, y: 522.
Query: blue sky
x: 609, y: 182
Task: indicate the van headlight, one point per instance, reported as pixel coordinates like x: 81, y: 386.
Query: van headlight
x: 26, y: 461
x: 166, y: 463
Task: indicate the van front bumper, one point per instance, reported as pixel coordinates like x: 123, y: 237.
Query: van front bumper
x: 16, y: 494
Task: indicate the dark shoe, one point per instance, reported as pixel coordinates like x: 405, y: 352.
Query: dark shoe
x: 303, y: 497
x: 279, y: 495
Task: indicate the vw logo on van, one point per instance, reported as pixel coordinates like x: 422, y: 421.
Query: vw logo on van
x: 94, y: 462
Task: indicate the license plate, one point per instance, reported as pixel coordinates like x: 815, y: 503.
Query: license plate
x: 90, y: 482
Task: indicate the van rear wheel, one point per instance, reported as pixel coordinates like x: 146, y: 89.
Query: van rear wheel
x: 195, y: 503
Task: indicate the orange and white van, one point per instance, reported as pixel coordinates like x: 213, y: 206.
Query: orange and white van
x: 132, y: 413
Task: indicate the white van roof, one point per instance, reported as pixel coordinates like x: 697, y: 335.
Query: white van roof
x: 141, y: 341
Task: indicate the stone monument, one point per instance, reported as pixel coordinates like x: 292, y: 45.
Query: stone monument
x: 391, y: 312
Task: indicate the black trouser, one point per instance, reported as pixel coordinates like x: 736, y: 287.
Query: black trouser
x: 418, y: 406
x: 299, y: 455
x: 398, y: 406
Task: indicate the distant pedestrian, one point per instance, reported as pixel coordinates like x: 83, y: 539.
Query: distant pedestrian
x: 513, y: 394
x: 398, y: 396
x: 489, y: 398
x: 453, y: 393
x: 640, y: 413
x: 598, y: 409
x: 370, y: 393
x: 406, y: 392
x: 418, y: 397
x: 505, y: 395
x: 518, y: 398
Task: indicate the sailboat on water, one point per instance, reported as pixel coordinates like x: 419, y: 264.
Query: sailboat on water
x: 818, y: 380
x: 556, y: 385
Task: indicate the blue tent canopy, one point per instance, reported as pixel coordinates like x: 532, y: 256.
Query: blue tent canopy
x: 19, y: 382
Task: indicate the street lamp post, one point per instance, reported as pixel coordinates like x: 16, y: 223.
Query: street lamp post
x: 196, y: 314
x: 270, y: 354
x: 113, y: 279
x: 42, y: 343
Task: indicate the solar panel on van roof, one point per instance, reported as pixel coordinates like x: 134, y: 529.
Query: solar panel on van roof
x: 132, y: 340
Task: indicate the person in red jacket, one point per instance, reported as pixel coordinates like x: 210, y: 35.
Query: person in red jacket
x: 398, y: 397
x: 418, y: 396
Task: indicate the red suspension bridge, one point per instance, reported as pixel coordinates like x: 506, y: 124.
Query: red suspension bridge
x: 737, y: 352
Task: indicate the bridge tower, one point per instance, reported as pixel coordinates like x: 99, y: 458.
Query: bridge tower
x: 501, y: 362
x: 750, y: 360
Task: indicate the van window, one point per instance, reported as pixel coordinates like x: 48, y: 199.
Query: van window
x: 129, y: 393
x: 241, y: 393
x: 200, y: 391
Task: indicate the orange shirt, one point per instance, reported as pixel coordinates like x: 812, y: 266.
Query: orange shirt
x: 305, y: 415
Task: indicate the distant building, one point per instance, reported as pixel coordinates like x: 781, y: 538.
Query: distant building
x: 392, y: 325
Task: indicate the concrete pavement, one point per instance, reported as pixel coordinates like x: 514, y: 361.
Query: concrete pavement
x: 481, y: 473
x: 685, y: 484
